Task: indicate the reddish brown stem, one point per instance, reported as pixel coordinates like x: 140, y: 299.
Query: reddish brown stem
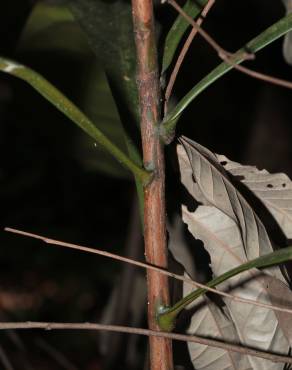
x: 154, y: 193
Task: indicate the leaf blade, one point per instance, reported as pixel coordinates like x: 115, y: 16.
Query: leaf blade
x: 177, y: 31
x: 224, y: 196
x: 216, y: 225
x: 108, y: 26
x: 213, y: 322
x: 273, y: 189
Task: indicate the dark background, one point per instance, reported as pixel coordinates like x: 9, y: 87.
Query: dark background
x: 45, y: 189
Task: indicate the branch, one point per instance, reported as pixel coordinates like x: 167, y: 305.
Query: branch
x: 149, y: 267
x: 227, y: 57
x: 154, y: 192
x: 149, y: 333
x: 183, y: 52
x: 222, y: 53
x: 231, y: 61
x: 69, y: 109
x: 264, y: 77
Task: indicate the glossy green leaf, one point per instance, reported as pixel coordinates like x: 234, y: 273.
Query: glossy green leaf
x: 166, y: 318
x: 177, y: 30
x: 271, y: 34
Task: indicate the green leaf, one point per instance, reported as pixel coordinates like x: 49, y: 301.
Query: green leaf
x: 53, y: 28
x: 69, y: 109
x: 166, y: 318
x: 51, y: 35
x: 178, y: 29
x: 108, y: 26
x: 97, y: 102
x: 271, y: 34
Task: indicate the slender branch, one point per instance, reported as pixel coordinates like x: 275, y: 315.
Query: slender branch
x: 269, y: 35
x: 263, y: 77
x: 183, y: 52
x: 222, y: 53
x: 149, y: 267
x: 154, y: 192
x: 227, y: 56
x: 150, y: 333
x: 168, y: 315
x: 69, y: 109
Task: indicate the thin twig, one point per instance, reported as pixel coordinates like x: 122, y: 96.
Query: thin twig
x: 227, y: 57
x: 147, y: 332
x: 261, y: 76
x: 222, y: 53
x: 183, y: 52
x: 149, y: 267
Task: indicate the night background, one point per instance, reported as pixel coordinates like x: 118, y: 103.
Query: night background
x: 56, y: 182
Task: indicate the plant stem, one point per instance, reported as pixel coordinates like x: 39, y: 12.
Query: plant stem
x: 69, y: 109
x: 146, y: 266
x: 146, y: 332
x: 168, y: 315
x: 183, y: 53
x: 271, y: 34
x: 154, y: 192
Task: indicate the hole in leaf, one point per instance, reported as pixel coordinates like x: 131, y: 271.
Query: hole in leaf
x: 224, y: 163
x: 239, y: 177
x: 270, y: 186
x: 284, y: 185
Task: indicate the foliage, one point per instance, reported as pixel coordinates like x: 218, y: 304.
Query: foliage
x: 97, y: 36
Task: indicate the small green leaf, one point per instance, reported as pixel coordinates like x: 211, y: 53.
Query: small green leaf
x: 271, y: 34
x: 167, y: 316
x: 178, y: 29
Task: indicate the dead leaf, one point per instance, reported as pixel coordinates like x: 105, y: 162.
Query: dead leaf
x: 206, y: 179
x: 232, y: 234
x: 214, y: 323
x: 280, y: 295
x: 256, y: 326
x: 274, y: 190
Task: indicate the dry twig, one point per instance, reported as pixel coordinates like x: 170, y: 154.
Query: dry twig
x: 183, y: 52
x: 149, y: 267
x: 226, y: 56
x: 149, y: 333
